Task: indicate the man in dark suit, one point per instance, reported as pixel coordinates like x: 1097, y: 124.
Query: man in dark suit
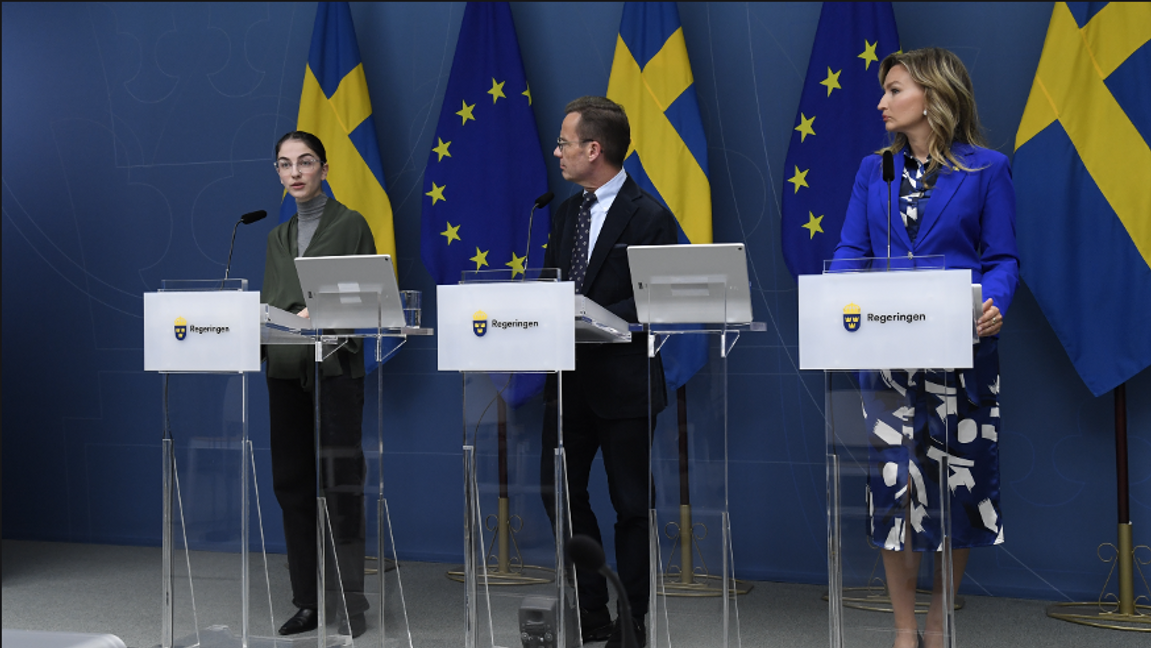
x: 606, y: 399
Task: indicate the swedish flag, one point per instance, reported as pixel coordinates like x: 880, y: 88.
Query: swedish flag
x: 837, y: 125
x: 335, y: 107
x: 1081, y: 170
x: 651, y: 78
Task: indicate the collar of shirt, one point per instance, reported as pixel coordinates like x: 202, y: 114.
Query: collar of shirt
x: 910, y: 162
x: 604, y: 197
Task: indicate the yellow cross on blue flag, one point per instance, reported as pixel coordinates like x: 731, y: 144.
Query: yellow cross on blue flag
x: 1082, y: 172
x: 651, y: 78
x: 836, y: 126
x: 335, y: 107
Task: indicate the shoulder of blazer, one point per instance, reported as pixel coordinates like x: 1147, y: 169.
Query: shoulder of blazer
x: 977, y: 157
x: 281, y: 232
x: 633, y: 198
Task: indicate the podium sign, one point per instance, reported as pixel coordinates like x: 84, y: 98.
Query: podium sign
x: 202, y: 331
x: 524, y: 326
x: 884, y: 320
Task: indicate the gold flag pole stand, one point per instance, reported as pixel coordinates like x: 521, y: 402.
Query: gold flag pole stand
x: 502, y: 567
x: 685, y: 578
x: 1120, y: 611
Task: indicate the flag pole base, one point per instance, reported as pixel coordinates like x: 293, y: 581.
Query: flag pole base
x: 1115, y: 612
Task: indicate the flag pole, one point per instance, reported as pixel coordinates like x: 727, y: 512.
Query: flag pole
x: 502, y: 567
x: 691, y: 582
x: 1116, y: 612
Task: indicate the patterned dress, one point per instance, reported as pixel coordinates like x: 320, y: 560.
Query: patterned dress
x: 918, y: 420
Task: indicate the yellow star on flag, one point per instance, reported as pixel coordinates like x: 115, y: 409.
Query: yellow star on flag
x: 804, y: 127
x: 437, y: 193
x: 528, y: 93
x: 517, y: 264
x: 868, y: 53
x: 466, y: 113
x: 832, y: 81
x: 497, y: 91
x: 812, y: 224
x: 799, y: 179
x: 442, y: 149
x: 480, y: 259
x: 453, y: 233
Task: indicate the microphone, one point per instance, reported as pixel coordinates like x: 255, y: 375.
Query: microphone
x: 888, y: 176
x: 246, y: 219
x: 540, y: 202
x: 252, y: 217
x: 588, y: 554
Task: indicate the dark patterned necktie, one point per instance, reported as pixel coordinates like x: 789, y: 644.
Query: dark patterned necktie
x: 582, y: 241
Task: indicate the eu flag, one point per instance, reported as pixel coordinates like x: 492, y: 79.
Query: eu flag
x: 651, y: 78
x: 487, y: 167
x: 1081, y: 170
x: 334, y: 106
x: 837, y: 124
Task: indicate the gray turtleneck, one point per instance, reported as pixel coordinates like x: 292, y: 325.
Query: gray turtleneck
x: 309, y: 219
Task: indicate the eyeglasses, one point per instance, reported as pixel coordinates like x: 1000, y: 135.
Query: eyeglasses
x: 561, y: 143
x: 306, y: 165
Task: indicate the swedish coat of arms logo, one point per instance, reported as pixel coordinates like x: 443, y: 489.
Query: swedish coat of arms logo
x: 181, y: 328
x: 480, y: 323
x: 851, y: 317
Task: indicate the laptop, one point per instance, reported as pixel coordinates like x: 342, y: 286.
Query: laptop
x: 690, y: 284
x: 351, y: 292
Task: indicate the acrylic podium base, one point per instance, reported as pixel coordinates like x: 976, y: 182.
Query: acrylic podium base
x: 220, y: 636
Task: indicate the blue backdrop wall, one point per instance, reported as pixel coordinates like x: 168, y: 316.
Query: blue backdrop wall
x: 135, y: 134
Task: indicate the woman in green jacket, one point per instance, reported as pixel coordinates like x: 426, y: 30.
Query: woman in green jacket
x: 321, y: 227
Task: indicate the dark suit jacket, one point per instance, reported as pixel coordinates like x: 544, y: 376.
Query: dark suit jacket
x: 612, y: 378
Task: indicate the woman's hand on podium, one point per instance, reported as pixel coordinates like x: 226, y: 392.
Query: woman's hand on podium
x: 990, y: 323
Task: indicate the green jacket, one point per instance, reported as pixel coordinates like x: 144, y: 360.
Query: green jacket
x: 341, y: 232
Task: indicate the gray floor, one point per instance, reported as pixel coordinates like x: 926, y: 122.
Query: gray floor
x: 117, y: 590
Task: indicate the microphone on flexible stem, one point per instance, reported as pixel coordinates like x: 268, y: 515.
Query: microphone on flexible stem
x: 888, y: 176
x: 588, y: 554
x: 540, y: 202
x: 246, y: 219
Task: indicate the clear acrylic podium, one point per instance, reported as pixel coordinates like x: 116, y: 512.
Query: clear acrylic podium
x: 702, y: 310
x: 505, y: 337
x: 224, y: 589
x: 865, y: 323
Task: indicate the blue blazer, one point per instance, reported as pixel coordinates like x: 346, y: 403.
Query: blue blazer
x: 970, y: 220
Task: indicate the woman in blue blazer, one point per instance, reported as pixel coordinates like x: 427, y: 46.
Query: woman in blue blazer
x: 951, y: 197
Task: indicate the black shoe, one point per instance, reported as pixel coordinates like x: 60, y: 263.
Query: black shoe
x: 304, y: 620
x: 358, y: 626
x: 616, y: 638
x: 595, y: 625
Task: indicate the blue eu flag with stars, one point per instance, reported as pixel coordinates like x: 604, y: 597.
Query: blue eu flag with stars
x: 487, y: 166
x: 837, y: 124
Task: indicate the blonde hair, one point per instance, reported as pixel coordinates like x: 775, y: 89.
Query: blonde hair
x: 950, y: 102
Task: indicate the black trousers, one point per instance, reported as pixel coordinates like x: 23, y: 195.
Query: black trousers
x: 626, y: 445
x: 343, y: 473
